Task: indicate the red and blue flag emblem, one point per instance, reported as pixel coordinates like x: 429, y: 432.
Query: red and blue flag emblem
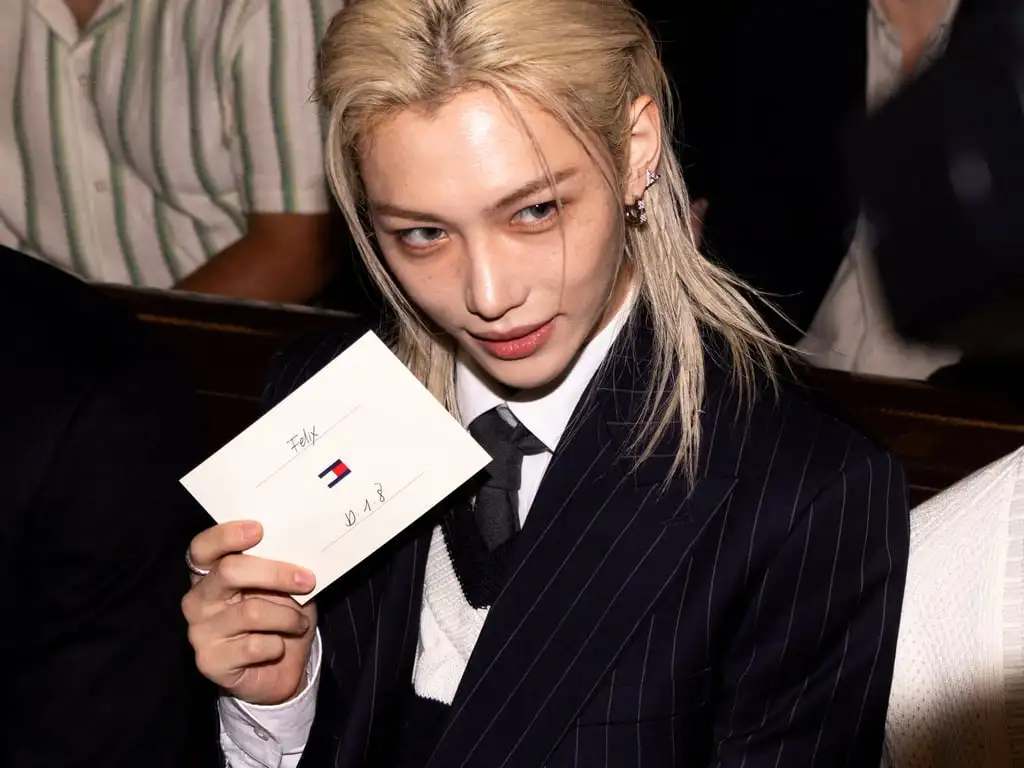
x: 335, y: 473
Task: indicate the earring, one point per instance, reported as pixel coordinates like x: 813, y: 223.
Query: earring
x: 636, y: 213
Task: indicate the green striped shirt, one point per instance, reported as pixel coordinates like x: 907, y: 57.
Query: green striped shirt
x: 132, y: 151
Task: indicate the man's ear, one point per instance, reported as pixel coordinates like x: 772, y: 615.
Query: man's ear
x: 644, y: 146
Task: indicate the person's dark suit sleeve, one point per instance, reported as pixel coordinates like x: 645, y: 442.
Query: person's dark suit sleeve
x: 110, y: 679
x: 807, y: 680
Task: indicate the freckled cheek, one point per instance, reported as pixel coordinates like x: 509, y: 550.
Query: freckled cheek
x: 436, y: 291
x: 591, y: 265
x: 533, y: 262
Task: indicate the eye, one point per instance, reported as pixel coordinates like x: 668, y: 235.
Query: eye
x: 421, y: 237
x: 537, y: 214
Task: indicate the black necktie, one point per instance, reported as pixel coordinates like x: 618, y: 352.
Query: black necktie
x: 496, y: 508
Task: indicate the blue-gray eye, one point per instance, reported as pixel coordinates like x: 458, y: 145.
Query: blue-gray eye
x: 535, y: 214
x: 420, y: 236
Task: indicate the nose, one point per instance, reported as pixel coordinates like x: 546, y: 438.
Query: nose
x: 494, y: 285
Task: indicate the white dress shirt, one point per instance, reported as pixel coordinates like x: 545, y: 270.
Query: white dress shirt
x: 274, y: 737
x: 852, y: 329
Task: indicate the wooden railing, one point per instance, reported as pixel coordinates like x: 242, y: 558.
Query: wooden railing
x: 940, y: 435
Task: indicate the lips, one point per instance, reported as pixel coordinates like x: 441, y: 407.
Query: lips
x: 511, y: 335
x: 516, y: 343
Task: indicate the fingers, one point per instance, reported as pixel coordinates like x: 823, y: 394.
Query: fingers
x: 217, y: 550
x: 231, y: 574
x: 227, y: 538
x: 246, y: 633
x: 256, y: 614
x: 224, y: 661
x: 236, y: 573
x: 249, y: 635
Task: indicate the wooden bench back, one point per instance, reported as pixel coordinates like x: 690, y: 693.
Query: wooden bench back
x: 940, y: 436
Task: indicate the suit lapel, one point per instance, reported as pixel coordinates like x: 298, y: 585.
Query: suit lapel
x: 600, y: 545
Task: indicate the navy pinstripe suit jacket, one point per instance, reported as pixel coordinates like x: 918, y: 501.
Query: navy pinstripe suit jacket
x: 750, y: 622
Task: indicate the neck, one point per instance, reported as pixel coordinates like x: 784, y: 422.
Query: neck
x: 83, y: 10
x: 917, y: 22
x: 915, y: 16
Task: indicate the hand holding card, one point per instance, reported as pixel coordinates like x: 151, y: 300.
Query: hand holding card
x: 341, y: 466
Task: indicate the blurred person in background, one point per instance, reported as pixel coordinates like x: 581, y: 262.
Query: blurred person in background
x: 97, y: 427
x: 167, y: 144
x: 941, y: 169
x: 768, y: 93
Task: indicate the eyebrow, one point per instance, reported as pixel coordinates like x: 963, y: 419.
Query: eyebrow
x: 523, y: 192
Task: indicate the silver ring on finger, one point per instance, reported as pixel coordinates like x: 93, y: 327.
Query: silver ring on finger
x: 192, y: 567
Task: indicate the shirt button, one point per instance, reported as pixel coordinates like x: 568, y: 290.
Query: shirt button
x: 101, y: 187
x: 262, y: 733
x: 83, y: 80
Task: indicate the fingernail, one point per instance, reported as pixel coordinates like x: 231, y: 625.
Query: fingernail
x: 251, y: 530
x: 304, y: 579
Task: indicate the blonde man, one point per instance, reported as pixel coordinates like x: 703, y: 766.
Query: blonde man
x: 664, y: 564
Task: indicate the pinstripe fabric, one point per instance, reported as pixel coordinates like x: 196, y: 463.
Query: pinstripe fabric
x: 132, y: 152
x: 748, y: 621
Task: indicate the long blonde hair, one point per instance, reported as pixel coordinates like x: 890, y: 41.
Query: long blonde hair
x: 585, y: 62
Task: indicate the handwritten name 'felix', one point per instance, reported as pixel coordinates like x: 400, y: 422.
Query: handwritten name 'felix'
x: 300, y: 442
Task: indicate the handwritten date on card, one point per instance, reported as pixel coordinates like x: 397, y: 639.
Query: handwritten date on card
x: 358, y: 513
x: 369, y: 506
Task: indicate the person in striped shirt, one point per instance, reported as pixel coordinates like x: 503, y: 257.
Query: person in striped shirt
x: 167, y: 144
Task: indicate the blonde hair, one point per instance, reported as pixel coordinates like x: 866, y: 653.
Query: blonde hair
x: 585, y: 62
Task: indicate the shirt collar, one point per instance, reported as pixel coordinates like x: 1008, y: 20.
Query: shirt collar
x: 59, y: 18
x: 938, y: 40
x: 548, y: 415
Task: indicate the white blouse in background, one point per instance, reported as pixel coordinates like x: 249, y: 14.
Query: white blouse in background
x: 852, y: 330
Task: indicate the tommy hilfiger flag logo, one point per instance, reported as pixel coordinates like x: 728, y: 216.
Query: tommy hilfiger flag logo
x: 335, y: 473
